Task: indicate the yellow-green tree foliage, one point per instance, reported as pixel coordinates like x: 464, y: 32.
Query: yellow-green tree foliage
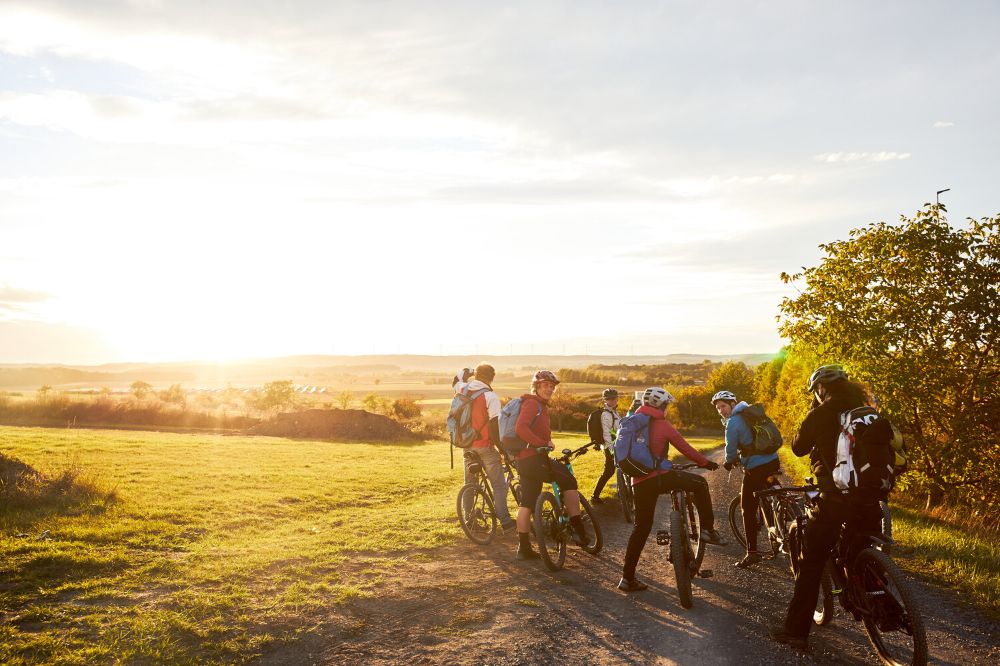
x: 912, y: 311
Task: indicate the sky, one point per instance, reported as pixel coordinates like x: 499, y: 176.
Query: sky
x: 222, y: 180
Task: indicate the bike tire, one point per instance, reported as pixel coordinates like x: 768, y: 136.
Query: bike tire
x: 736, y: 525
x: 589, y: 518
x: 694, y: 537
x: 625, y: 497
x: 549, y: 532
x: 823, y: 614
x: 476, y: 514
x: 787, y: 521
x: 893, y: 619
x: 680, y: 552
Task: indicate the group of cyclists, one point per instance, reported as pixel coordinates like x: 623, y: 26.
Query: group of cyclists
x: 832, y: 393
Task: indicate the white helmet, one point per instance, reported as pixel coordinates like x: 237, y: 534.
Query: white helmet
x: 656, y: 397
x: 724, y: 395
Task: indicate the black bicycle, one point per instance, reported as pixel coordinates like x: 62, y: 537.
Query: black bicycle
x: 552, y: 526
x: 626, y: 498
x: 476, y: 505
x: 686, y: 547
x: 873, y: 589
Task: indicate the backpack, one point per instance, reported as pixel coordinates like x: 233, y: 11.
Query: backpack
x: 595, y: 427
x: 509, y: 440
x: 463, y: 434
x: 865, y: 454
x: 632, y: 453
x: 766, y: 438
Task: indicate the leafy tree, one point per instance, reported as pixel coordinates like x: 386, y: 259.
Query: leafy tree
x: 694, y: 409
x: 174, y: 394
x: 374, y: 403
x: 43, y: 392
x: 140, y: 389
x: 276, y: 396
x: 912, y: 310
x: 732, y: 376
x: 405, y: 408
x: 344, y: 399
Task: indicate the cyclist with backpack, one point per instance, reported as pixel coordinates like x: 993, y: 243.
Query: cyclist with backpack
x: 485, y: 419
x: 756, y: 466
x: 534, y: 467
x: 834, y: 396
x: 601, y: 427
x: 661, y: 480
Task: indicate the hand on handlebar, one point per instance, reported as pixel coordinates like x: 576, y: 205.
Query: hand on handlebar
x: 711, y: 466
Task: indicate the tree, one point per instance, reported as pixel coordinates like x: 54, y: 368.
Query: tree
x: 344, y: 399
x: 374, y: 403
x: 405, y: 408
x: 43, y: 392
x: 140, y: 389
x: 912, y: 311
x: 732, y: 376
x: 174, y: 394
x: 276, y: 396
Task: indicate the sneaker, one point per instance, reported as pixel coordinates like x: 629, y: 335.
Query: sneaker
x: 596, y: 501
x: 749, y: 560
x: 778, y: 633
x: 633, y: 585
x: 580, y: 537
x: 508, y: 525
x: 713, y: 537
x: 527, y: 554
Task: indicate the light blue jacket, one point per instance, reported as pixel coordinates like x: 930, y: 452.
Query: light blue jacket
x: 739, y: 433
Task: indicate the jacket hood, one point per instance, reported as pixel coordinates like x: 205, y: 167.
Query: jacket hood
x: 740, y: 406
x: 651, y: 412
x: 534, y: 396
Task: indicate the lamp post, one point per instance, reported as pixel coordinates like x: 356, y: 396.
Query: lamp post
x: 937, y: 196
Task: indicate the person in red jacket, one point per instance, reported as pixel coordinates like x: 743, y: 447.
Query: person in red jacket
x: 535, y: 468
x: 649, y: 487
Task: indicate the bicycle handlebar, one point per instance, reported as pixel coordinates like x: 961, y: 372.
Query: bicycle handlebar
x: 681, y: 468
x: 785, y: 489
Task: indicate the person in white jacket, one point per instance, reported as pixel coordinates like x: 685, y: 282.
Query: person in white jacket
x: 609, y: 423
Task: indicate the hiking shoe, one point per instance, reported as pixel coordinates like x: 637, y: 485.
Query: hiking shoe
x: 778, y: 633
x: 713, y: 537
x: 580, y: 537
x: 596, y: 501
x: 508, y: 525
x: 633, y: 585
x: 749, y: 560
x: 527, y: 554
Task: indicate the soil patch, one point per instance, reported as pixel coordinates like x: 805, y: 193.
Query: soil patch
x: 338, y: 424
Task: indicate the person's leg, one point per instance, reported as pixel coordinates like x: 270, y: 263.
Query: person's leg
x: 754, y: 480
x: 494, y: 472
x: 821, y: 533
x: 697, y: 485
x: 609, y: 471
x: 531, y: 479
x: 567, y: 484
x: 646, y: 494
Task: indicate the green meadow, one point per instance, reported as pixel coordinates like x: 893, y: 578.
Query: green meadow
x: 211, y: 548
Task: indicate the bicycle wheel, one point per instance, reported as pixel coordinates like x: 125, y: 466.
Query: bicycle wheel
x: 892, y: 617
x: 549, y: 532
x: 679, y: 553
x: 476, y: 514
x: 824, y: 605
x: 625, y: 497
x: 697, y: 546
x: 589, y: 519
x: 764, y: 545
x: 786, y: 521
x: 886, y: 526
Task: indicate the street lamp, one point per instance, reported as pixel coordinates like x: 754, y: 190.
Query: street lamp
x: 937, y: 196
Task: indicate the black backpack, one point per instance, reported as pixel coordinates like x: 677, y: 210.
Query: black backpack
x: 594, y: 426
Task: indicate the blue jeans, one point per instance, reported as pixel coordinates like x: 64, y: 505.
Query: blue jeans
x: 493, y: 466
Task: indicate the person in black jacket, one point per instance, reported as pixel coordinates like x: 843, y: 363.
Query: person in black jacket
x: 833, y: 394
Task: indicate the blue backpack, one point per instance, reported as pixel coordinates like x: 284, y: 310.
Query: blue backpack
x: 632, y: 453
x: 463, y: 433
x: 509, y: 440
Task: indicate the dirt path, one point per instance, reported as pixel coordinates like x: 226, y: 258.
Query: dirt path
x: 478, y: 605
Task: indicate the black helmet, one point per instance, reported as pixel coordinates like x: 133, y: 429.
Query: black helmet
x: 826, y: 374
x: 610, y: 394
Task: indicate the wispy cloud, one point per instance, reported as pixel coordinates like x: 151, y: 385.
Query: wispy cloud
x: 943, y: 123
x: 10, y: 294
x: 842, y: 157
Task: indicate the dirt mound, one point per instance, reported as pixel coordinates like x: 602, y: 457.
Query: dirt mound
x: 13, y: 473
x: 349, y: 424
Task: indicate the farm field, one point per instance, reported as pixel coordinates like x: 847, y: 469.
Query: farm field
x: 218, y: 548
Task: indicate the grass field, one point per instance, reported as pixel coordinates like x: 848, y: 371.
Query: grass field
x: 217, y: 546
x: 962, y: 558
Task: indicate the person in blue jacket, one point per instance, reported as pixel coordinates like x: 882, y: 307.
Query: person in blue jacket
x: 756, y: 468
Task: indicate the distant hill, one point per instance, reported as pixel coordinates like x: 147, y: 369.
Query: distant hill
x: 313, y: 369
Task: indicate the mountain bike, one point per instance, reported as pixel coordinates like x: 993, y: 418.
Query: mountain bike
x: 873, y: 589
x: 552, y: 526
x: 625, y: 496
x: 476, y: 504
x: 686, y: 547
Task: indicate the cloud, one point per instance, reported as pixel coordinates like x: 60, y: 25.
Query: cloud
x: 10, y: 294
x: 943, y: 123
x: 844, y: 157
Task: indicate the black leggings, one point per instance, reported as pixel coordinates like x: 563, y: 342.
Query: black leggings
x: 535, y: 471
x: 609, y: 471
x: 646, y: 493
x: 754, y: 480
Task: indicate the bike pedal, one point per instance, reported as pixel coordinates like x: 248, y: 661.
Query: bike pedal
x: 706, y: 573
x: 662, y: 538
